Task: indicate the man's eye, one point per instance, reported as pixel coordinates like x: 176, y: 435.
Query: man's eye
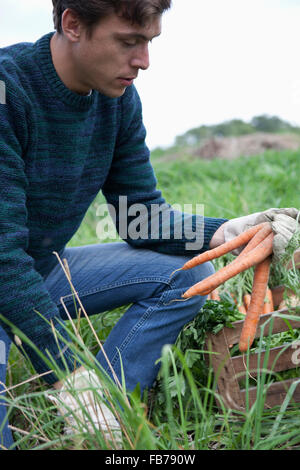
x: 129, y: 44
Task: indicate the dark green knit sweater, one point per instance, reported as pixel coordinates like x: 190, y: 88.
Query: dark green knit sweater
x: 58, y: 149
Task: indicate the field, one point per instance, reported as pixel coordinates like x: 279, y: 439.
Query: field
x: 180, y: 412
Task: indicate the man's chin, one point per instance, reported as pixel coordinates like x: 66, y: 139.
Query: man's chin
x: 117, y: 93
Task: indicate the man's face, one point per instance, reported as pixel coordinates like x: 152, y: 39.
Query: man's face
x: 111, y: 59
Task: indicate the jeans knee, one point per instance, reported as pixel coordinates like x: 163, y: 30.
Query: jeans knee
x: 187, y: 278
x: 183, y: 280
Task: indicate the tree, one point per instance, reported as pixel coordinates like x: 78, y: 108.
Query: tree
x: 265, y: 123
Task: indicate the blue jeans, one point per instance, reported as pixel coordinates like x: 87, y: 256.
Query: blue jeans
x: 107, y: 276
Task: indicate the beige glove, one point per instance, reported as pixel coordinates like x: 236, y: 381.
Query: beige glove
x: 284, y: 224
x: 81, y: 401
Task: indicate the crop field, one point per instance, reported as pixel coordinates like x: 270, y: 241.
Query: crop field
x: 180, y: 412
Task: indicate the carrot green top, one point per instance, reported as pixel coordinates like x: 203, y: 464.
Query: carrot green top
x: 58, y: 149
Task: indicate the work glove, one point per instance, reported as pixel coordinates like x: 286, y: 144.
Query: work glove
x: 81, y: 401
x: 284, y: 222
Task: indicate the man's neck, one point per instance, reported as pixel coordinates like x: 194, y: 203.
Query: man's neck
x: 62, y: 60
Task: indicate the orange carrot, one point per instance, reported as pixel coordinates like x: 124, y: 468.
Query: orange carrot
x: 260, y: 284
x: 221, y: 250
x: 269, y: 304
x: 215, y: 295
x: 242, y: 309
x: 258, y: 254
x: 247, y: 300
x: 262, y: 233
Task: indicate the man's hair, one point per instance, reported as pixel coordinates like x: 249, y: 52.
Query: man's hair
x: 90, y: 12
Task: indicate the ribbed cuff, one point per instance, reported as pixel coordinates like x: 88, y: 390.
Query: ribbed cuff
x: 203, y: 230
x: 211, y: 225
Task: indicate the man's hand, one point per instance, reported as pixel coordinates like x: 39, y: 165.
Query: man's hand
x: 218, y: 237
x: 81, y: 401
x: 284, y: 224
x: 232, y: 228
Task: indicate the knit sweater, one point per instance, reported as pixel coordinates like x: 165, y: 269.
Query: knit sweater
x: 58, y: 150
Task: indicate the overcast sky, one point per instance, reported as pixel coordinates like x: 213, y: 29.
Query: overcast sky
x: 216, y: 60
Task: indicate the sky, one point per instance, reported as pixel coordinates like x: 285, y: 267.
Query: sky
x: 216, y: 60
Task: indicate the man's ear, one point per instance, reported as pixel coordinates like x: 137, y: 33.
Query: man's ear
x: 71, y: 25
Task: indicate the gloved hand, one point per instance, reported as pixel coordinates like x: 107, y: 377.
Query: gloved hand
x: 284, y: 224
x: 80, y: 399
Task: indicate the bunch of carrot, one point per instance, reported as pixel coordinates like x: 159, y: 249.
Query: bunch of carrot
x: 258, y: 241
x: 243, y: 307
x: 268, y: 303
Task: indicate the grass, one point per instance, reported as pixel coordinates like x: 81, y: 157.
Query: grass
x: 180, y: 412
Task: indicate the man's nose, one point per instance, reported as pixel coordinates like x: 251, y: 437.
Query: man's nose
x: 141, y: 59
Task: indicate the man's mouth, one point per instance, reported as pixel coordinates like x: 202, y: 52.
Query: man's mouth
x: 126, y: 81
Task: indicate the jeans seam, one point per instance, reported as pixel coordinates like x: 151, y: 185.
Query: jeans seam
x: 136, y: 327
x: 120, y: 284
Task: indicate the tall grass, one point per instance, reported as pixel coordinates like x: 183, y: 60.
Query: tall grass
x: 195, y: 424
x: 184, y: 414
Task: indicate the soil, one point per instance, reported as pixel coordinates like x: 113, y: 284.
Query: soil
x: 229, y: 148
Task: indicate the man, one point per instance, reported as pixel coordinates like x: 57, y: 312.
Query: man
x: 72, y: 126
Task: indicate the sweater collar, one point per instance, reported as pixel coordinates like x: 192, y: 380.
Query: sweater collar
x: 68, y: 96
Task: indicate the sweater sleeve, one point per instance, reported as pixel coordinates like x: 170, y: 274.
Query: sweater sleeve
x: 22, y: 290
x: 141, y: 214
